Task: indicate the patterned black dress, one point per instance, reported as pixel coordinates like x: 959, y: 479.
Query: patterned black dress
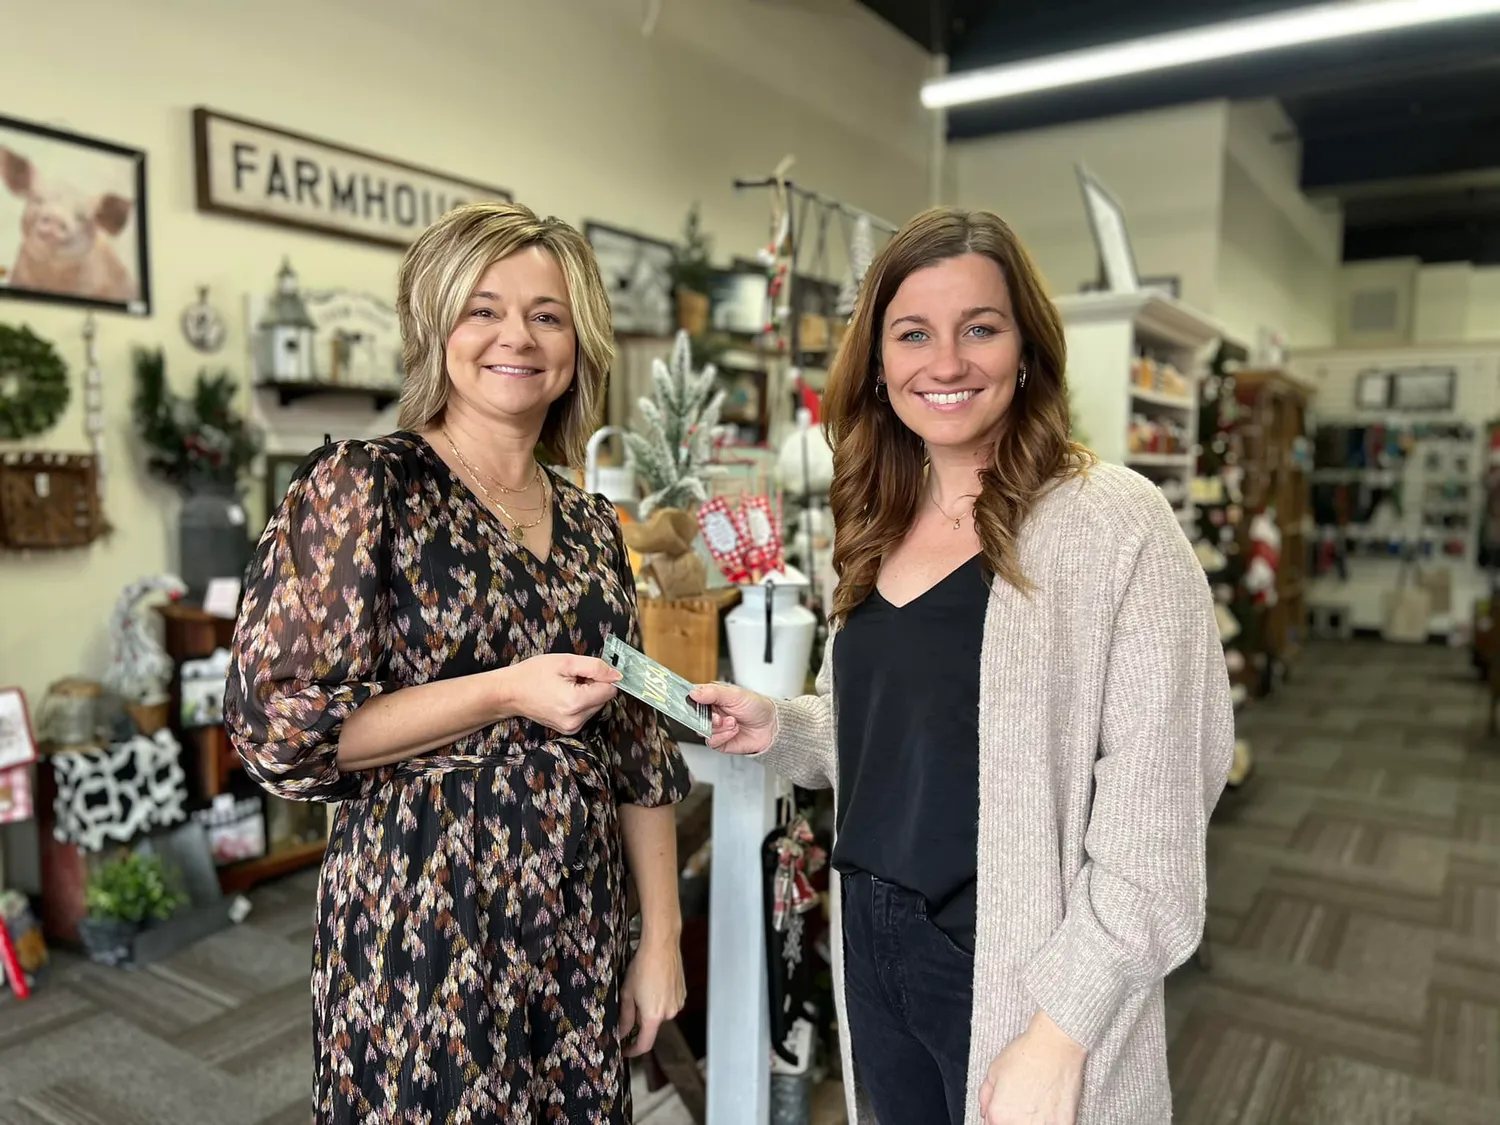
x: 471, y: 930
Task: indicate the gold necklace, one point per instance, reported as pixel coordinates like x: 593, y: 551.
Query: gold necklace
x: 957, y: 520
x: 479, y: 480
x: 493, y: 480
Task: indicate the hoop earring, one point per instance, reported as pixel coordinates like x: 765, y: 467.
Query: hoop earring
x: 1023, y: 376
x: 880, y: 392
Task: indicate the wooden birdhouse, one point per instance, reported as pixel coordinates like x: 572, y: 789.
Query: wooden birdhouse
x: 285, y: 351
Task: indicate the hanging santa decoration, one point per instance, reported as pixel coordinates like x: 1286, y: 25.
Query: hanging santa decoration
x: 1265, y: 558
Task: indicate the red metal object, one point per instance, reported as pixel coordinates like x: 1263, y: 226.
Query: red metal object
x: 11, y: 964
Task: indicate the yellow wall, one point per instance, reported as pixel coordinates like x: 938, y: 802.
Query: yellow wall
x: 565, y: 102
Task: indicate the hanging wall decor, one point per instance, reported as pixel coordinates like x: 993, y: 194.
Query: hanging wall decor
x: 113, y: 794
x: 33, y: 384
x: 637, y: 274
x: 49, y: 501
x: 312, y: 342
x: 270, y: 175
x: 203, y: 326
x: 72, y: 219
x: 93, y: 403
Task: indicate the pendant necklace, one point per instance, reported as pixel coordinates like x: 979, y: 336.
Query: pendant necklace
x: 479, y: 480
x: 957, y: 520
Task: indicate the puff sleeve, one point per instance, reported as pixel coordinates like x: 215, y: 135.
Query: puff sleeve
x: 309, y: 645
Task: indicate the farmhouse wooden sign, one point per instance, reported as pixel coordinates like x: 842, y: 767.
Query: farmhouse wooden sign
x: 270, y: 175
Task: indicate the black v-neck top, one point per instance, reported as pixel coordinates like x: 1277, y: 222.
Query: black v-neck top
x: 907, y: 680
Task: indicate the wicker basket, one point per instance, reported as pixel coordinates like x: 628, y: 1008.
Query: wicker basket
x: 683, y: 635
x: 49, y: 501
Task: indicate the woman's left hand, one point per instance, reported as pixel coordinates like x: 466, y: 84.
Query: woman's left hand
x: 653, y: 992
x: 1036, y: 1080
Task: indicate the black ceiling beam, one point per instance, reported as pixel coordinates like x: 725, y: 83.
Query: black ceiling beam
x: 1008, y: 31
x: 1450, y: 89
x: 1408, y: 204
x: 1467, y: 240
x: 1403, y: 150
x: 928, y: 23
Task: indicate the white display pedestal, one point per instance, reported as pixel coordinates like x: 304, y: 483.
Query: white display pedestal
x: 739, y: 1021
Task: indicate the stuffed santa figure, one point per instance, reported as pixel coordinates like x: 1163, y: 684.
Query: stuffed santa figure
x: 1264, y: 558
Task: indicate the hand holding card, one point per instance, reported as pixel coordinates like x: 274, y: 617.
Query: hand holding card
x: 656, y: 686
x: 744, y: 722
x: 560, y: 691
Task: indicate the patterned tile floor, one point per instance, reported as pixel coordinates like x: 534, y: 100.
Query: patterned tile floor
x: 1354, y: 933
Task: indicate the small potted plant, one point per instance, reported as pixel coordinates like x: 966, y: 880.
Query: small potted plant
x: 124, y: 895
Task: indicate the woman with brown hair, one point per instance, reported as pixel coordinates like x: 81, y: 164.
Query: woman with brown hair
x: 1023, y: 711
x: 420, y: 641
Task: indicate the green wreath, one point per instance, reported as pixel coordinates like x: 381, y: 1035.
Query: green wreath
x: 33, y: 384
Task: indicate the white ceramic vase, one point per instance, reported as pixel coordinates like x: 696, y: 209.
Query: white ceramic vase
x: 771, y: 636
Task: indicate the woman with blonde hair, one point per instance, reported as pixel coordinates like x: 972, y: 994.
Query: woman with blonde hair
x: 420, y: 641
x: 1023, y: 712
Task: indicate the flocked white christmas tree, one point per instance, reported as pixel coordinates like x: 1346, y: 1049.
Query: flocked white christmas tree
x: 861, y: 254
x: 678, y: 424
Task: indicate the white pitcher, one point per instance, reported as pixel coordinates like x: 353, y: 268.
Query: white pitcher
x: 771, y: 635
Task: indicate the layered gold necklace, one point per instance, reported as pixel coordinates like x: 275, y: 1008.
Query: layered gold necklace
x: 538, y: 476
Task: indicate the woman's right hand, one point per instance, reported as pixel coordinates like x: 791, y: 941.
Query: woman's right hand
x: 743, y: 722
x: 558, y: 690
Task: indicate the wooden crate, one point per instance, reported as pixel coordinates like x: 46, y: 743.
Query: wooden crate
x: 684, y: 635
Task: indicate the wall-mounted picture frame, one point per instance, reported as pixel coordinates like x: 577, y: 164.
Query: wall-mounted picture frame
x: 1107, y: 224
x: 1408, y: 390
x: 73, y: 220
x: 637, y: 272
x: 1424, y: 389
x: 1372, y: 390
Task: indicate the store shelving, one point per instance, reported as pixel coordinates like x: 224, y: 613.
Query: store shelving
x: 1116, y: 344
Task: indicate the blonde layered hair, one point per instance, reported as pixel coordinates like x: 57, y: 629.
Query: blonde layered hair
x: 439, y: 275
x: 879, y: 466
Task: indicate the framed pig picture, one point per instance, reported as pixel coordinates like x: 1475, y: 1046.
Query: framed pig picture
x: 72, y: 220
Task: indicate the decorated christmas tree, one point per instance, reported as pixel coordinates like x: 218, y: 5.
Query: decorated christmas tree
x: 678, y: 424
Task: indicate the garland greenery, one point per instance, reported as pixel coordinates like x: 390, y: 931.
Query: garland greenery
x: 191, y: 441
x: 33, y: 383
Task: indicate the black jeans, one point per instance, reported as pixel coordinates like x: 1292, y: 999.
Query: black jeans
x: 910, y: 994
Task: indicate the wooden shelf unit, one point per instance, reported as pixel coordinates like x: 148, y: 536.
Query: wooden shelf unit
x: 1273, y: 416
x: 209, y: 760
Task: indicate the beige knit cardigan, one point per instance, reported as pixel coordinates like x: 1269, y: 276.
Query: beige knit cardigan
x: 1105, y: 735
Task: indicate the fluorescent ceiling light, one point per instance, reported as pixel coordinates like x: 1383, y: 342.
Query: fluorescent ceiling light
x: 1296, y: 28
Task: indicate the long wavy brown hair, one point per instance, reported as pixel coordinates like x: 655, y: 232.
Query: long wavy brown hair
x: 880, y: 466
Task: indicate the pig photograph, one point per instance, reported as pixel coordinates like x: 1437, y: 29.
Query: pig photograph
x: 71, y: 219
